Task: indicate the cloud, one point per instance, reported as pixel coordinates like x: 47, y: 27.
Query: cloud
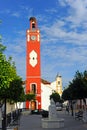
x: 52, y: 10
x: 6, y: 11
x: 17, y: 51
x: 64, y: 53
x: 15, y: 14
x: 58, y: 33
x: 21, y: 65
x: 77, y: 11
x: 64, y: 41
x: 63, y: 38
x: 70, y: 29
x: 11, y: 13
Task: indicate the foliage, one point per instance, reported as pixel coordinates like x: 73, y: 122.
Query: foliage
x: 55, y: 96
x: 10, y: 82
x: 2, y: 48
x: 77, y: 89
x: 16, y: 91
x: 30, y: 96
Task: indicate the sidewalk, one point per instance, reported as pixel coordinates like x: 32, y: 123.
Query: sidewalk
x: 33, y: 122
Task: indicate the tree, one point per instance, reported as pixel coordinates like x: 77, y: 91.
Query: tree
x: 10, y: 82
x: 67, y: 95
x: 16, y: 90
x: 77, y: 89
x: 30, y: 96
x: 55, y: 96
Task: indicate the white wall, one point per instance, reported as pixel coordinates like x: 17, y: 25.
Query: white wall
x: 46, y: 91
x: 53, y: 85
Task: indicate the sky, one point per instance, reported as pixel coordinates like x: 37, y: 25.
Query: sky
x: 63, y: 30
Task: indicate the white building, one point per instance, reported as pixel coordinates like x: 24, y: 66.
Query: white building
x: 46, y: 90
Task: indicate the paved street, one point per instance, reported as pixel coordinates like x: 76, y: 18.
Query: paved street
x: 33, y: 122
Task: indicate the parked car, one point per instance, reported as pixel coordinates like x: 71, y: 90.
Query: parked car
x: 59, y: 107
x: 36, y: 111
x: 44, y: 113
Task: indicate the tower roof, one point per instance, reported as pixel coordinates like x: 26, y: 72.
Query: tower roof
x: 45, y: 81
x: 32, y: 19
x: 58, y: 75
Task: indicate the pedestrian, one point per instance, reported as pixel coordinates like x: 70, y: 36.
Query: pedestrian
x: 67, y: 109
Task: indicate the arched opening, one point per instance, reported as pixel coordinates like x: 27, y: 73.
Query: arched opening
x: 33, y: 88
x: 33, y: 25
x: 33, y: 105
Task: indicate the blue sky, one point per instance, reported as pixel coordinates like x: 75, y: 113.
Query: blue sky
x: 63, y: 27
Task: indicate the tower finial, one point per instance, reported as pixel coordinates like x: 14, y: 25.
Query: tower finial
x: 33, y: 23
x: 58, y: 75
x: 32, y: 19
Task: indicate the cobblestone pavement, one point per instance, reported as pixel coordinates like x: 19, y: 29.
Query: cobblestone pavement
x: 33, y: 122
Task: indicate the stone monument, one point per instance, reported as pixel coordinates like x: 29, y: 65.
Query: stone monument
x: 52, y: 121
x: 52, y: 110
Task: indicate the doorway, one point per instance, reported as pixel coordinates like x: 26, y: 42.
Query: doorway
x: 33, y: 105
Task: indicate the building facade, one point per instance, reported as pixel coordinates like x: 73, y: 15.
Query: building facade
x: 33, y: 72
x: 34, y: 84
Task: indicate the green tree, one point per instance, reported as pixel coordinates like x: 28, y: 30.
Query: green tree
x: 66, y: 95
x: 77, y: 89
x: 55, y: 96
x: 30, y: 96
x: 16, y: 91
x: 10, y: 82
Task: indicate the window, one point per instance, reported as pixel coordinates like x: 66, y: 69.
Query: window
x: 58, y: 82
x: 33, y: 88
x: 33, y: 25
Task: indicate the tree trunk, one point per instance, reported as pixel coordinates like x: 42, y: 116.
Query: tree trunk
x: 71, y: 108
x: 4, y: 117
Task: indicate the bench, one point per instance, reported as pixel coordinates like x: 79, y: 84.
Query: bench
x: 79, y: 115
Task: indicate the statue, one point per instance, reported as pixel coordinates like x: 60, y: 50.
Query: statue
x: 52, y: 121
x: 52, y: 110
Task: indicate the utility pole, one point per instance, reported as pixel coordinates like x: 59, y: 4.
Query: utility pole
x: 4, y: 114
x: 0, y: 34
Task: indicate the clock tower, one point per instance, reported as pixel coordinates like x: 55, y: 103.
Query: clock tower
x: 33, y: 72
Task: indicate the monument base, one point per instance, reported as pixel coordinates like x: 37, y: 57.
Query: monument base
x: 52, y: 123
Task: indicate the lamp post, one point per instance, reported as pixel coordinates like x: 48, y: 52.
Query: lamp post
x: 4, y: 116
x: 0, y: 34
x: 4, y: 113
x: 1, y: 114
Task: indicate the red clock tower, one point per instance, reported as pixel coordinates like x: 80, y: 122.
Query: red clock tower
x: 33, y: 73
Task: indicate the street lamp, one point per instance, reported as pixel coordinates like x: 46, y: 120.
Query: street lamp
x: 0, y: 34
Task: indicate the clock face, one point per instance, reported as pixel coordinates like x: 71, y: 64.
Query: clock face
x: 33, y: 37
